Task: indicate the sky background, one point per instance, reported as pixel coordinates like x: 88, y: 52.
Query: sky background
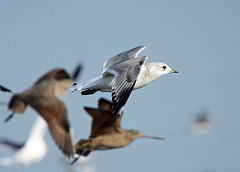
x: 200, y: 39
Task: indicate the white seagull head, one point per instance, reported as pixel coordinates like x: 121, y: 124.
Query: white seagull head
x: 162, y: 68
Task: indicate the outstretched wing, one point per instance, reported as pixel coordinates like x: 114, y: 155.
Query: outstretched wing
x: 55, y: 114
x: 121, y: 57
x: 2, y: 88
x: 57, y: 74
x: 11, y: 145
x: 103, y: 122
x: 126, y: 74
x: 104, y: 104
x: 77, y: 71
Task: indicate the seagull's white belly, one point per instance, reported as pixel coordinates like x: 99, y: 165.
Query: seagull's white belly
x: 140, y: 83
x: 144, y: 78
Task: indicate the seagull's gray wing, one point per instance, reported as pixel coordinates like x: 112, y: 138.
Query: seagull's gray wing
x: 126, y: 74
x: 121, y: 57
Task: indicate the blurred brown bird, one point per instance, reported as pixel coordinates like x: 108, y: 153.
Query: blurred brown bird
x: 42, y: 97
x: 106, y: 131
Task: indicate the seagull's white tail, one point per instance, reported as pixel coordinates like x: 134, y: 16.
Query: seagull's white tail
x: 85, y: 85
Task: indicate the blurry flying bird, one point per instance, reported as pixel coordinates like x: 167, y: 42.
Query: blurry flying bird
x: 121, y: 74
x: 32, y: 151
x: 106, y: 132
x: 202, y: 124
x: 43, y: 97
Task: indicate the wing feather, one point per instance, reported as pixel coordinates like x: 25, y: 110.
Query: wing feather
x: 55, y: 114
x: 121, y: 57
x: 57, y: 74
x: 11, y: 145
x: 126, y: 74
x: 103, y: 122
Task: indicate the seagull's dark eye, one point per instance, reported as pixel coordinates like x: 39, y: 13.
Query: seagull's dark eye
x: 164, y: 67
x: 74, y: 83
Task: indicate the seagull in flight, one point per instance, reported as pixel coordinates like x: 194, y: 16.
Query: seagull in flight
x: 30, y: 152
x: 121, y: 75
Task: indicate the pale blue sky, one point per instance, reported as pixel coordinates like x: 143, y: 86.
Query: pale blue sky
x: 198, y: 38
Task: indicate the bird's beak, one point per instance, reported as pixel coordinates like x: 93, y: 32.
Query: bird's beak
x: 173, y: 71
x: 151, y: 137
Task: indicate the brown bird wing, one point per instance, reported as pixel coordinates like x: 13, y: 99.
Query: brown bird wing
x: 103, y: 122
x: 104, y: 104
x: 57, y: 74
x: 54, y: 112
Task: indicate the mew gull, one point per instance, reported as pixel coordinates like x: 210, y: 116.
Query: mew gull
x: 43, y: 97
x: 121, y: 74
x: 106, y: 132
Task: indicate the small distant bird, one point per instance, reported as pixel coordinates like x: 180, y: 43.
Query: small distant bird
x: 106, y: 131
x: 30, y: 152
x: 121, y: 74
x: 43, y: 97
x: 202, y: 124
